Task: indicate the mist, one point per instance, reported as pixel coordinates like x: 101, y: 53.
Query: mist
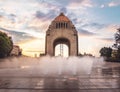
x: 48, y: 66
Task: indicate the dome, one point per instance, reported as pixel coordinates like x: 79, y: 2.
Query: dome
x: 61, y: 18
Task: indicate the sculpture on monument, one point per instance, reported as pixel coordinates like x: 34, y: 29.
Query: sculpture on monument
x: 61, y: 31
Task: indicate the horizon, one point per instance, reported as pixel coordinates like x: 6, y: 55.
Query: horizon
x: 27, y: 22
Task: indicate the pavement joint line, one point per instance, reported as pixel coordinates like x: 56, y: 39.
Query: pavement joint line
x: 61, y: 88
x: 58, y: 77
x: 81, y: 77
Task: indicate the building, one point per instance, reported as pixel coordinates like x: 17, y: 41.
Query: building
x: 61, y: 31
x: 16, y: 51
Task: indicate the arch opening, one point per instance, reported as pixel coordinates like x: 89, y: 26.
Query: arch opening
x: 61, y: 50
x: 61, y: 47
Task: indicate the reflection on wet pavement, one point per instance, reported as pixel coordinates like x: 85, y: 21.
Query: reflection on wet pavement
x: 105, y: 78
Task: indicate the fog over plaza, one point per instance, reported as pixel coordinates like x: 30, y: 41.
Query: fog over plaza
x: 27, y: 21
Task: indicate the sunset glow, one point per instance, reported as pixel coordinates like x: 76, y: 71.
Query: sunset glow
x: 27, y: 21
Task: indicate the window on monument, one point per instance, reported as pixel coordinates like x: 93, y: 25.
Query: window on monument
x: 64, y: 25
x: 56, y: 25
x: 59, y: 25
x: 61, y: 50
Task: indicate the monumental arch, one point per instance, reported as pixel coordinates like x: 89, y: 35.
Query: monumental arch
x: 61, y: 31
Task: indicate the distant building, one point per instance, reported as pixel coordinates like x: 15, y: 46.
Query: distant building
x: 42, y: 54
x: 85, y: 54
x: 16, y: 51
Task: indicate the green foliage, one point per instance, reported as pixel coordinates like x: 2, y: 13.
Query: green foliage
x: 112, y: 59
x: 117, y: 39
x: 106, y: 52
x: 117, y: 44
x: 6, y: 44
x: 118, y: 53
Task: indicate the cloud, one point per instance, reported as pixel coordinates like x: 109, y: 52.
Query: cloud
x: 94, y: 25
x: 17, y: 36
x: 114, y: 3
x: 106, y: 33
x: 106, y: 3
x: 111, y: 28
x: 102, y: 6
x: 63, y: 9
x: 46, y: 6
x: 75, y: 4
x: 45, y: 16
x: 9, y: 16
x: 106, y: 39
x: 10, y: 20
x: 41, y: 21
x: 83, y: 32
x: 111, y: 4
x: 39, y: 14
x: 66, y: 3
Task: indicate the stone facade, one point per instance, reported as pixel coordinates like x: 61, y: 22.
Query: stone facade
x: 62, y: 31
x: 16, y: 51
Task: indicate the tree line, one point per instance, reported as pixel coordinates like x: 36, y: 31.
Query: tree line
x: 112, y: 54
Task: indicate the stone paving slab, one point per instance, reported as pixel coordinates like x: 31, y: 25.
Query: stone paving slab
x: 101, y: 79
x: 71, y: 84
x: 95, y: 90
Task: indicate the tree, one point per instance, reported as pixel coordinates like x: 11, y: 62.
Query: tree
x: 117, y: 39
x: 6, y: 44
x: 118, y: 53
x: 106, y: 52
x: 117, y: 43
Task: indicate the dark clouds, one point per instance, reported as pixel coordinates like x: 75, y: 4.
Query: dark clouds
x: 39, y: 14
x: 66, y: 2
x: 17, y: 36
x: 9, y: 16
x: 49, y: 16
x: 12, y: 17
x: 95, y: 25
x: 106, y: 39
x: 83, y: 32
x: 63, y: 9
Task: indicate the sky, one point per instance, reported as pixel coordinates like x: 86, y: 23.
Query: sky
x: 28, y: 20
